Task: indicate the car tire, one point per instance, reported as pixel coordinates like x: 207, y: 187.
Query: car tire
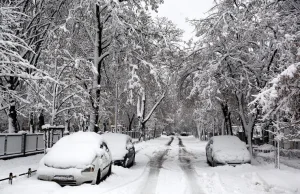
x: 213, y: 163
x: 133, y: 160
x: 109, y: 171
x: 98, y: 179
x: 125, y: 165
x: 208, y: 162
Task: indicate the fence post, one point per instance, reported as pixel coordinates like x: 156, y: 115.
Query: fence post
x: 10, y: 178
x: 52, y: 134
x: 29, y: 172
x: 5, y: 144
x: 23, y: 148
x: 37, y: 141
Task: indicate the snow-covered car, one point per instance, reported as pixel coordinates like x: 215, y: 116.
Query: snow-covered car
x: 221, y: 150
x: 81, y: 157
x: 122, y: 149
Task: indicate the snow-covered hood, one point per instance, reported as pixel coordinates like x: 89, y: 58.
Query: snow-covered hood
x: 74, y: 151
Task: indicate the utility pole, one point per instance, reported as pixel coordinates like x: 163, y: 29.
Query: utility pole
x: 116, y: 108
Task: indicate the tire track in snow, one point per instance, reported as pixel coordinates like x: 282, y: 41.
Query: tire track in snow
x: 188, y: 169
x: 138, y: 178
x: 155, y: 164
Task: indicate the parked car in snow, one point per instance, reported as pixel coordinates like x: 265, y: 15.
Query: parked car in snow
x: 81, y: 157
x: 226, y: 149
x: 183, y: 133
x: 122, y: 149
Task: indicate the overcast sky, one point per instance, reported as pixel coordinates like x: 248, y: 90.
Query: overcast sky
x: 179, y: 10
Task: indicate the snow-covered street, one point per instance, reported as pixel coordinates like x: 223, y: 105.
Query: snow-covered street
x: 164, y: 165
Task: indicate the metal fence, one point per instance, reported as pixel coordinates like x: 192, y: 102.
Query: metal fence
x: 22, y: 144
x: 11, y: 176
x: 133, y: 134
x: 12, y: 145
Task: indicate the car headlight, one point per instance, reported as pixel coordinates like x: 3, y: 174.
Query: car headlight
x: 90, y: 168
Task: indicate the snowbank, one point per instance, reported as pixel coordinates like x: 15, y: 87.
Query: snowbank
x: 74, y: 151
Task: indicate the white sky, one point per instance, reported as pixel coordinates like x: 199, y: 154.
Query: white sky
x: 179, y: 10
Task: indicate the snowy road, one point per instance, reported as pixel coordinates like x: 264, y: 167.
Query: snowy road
x: 164, y: 166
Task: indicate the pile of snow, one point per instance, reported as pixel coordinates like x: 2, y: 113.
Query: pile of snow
x: 74, y: 151
x: 229, y: 148
x: 117, y: 143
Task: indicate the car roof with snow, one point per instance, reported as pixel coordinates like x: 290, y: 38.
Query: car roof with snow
x: 227, y: 141
x: 117, y: 144
x: 74, y: 151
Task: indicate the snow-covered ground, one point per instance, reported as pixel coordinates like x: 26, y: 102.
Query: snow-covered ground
x: 162, y: 169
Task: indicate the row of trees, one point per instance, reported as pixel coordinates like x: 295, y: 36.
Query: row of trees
x: 245, y: 67
x: 74, y: 61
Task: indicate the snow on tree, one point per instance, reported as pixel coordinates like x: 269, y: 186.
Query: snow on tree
x: 14, y: 67
x: 242, y: 46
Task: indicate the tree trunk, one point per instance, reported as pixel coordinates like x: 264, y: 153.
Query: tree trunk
x: 92, y: 121
x: 223, y: 127
x: 248, y: 123
x: 31, y: 122
x: 144, y: 130
x: 98, y: 59
x: 230, y: 124
x: 198, y: 130
x: 130, y: 121
x: 12, y: 118
x: 41, y: 120
x: 226, y: 114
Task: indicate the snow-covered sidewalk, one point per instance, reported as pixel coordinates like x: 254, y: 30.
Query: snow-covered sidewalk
x: 161, y: 168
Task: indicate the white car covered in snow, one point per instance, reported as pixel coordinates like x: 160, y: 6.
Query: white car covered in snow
x: 122, y: 149
x: 82, y: 157
x: 221, y: 150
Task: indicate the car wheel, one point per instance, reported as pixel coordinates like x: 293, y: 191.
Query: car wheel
x: 213, y: 163
x: 98, y: 180
x: 126, y: 162
x: 208, y: 162
x: 133, y: 160
x: 109, y: 171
